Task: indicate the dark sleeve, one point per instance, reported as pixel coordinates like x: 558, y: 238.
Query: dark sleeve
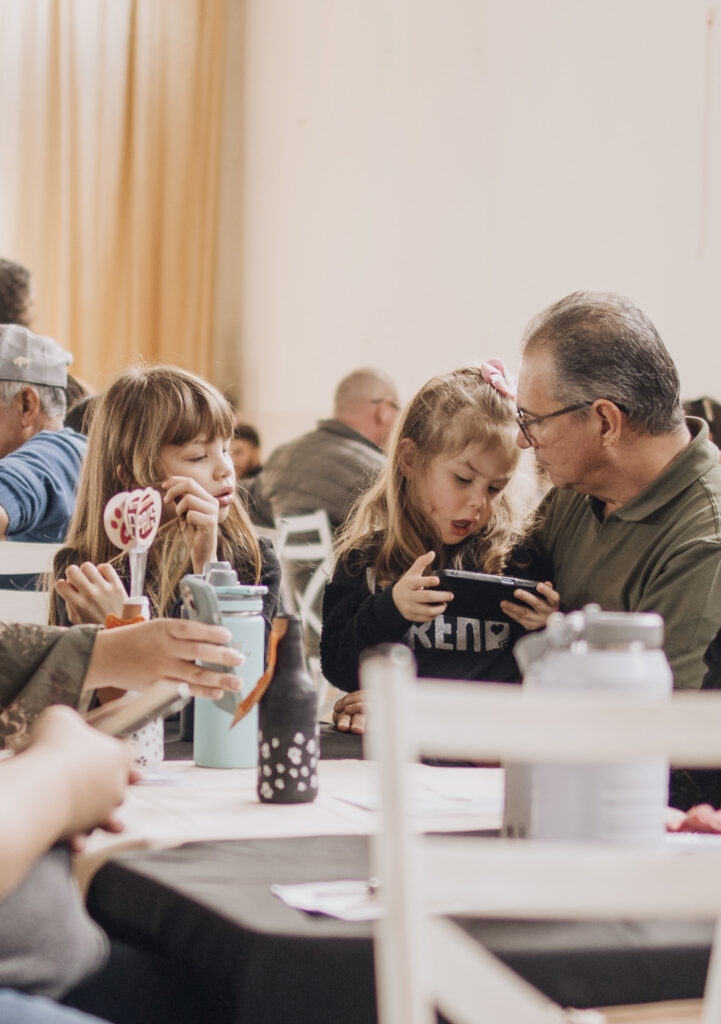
x: 42, y: 665
x: 354, y: 619
x: 270, y: 578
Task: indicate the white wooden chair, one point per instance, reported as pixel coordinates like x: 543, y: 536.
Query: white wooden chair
x: 22, y: 558
x: 304, y: 545
x: 423, y: 960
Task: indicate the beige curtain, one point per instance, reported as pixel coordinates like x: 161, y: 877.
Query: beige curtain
x: 109, y: 158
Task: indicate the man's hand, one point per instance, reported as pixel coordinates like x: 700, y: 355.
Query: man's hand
x: 136, y: 656
x: 536, y: 610
x: 91, y: 592
x: 412, y: 596
x: 349, y: 713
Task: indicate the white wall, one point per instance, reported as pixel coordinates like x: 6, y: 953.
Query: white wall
x: 419, y: 177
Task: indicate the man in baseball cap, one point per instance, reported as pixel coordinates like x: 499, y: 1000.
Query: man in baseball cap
x: 40, y: 460
x: 31, y: 358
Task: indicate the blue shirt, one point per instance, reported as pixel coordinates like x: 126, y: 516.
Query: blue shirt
x: 38, y: 482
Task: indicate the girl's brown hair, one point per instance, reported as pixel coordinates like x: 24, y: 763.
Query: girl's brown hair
x: 448, y: 413
x: 146, y: 408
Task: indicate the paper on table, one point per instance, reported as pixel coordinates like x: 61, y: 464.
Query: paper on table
x: 348, y: 900
x: 693, y: 839
x: 430, y: 804
x: 157, y: 777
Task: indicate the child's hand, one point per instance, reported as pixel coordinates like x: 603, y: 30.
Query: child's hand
x: 412, y: 596
x: 349, y: 712
x: 198, y: 514
x: 91, y: 592
x: 534, y: 613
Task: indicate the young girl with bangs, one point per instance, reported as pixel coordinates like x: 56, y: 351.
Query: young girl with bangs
x: 446, y: 499
x: 162, y: 427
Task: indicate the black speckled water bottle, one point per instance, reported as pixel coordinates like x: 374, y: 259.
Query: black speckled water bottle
x: 288, y: 737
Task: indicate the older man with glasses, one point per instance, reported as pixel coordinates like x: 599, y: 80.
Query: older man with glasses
x: 633, y: 521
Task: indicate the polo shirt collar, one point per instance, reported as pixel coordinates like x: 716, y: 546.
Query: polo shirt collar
x: 697, y: 458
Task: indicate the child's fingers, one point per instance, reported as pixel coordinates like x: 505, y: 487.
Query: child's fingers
x: 551, y: 595
x: 109, y: 574
x: 419, y: 583
x: 536, y: 603
x: 421, y: 563
x: 432, y: 596
x: 517, y: 612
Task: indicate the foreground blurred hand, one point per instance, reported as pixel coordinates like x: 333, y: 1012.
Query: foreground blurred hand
x: 349, y: 713
x: 136, y: 656
x: 69, y: 779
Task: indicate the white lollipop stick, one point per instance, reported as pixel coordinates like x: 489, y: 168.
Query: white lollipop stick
x: 141, y: 517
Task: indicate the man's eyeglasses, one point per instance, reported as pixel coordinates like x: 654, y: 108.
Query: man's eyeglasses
x: 379, y: 401
x: 525, y: 423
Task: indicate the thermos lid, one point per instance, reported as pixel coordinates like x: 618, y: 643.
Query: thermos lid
x: 220, y: 574
x: 620, y: 629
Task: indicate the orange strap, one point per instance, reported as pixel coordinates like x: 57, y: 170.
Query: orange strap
x: 112, y: 621
x: 277, y: 631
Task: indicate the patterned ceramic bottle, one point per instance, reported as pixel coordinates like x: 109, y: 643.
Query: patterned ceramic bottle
x: 288, y: 739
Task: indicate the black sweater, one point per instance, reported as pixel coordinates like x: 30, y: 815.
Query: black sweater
x: 450, y: 646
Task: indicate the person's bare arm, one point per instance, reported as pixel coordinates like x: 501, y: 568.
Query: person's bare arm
x: 4, y: 523
x: 136, y: 656
x: 69, y: 779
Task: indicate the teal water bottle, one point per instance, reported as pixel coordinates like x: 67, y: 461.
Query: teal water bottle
x: 215, y: 744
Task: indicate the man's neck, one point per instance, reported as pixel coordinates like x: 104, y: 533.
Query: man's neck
x: 637, y: 464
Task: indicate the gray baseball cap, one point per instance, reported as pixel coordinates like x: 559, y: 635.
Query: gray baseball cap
x: 31, y: 358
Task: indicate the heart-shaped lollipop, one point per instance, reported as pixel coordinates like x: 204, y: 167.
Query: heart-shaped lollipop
x: 141, y: 516
x: 114, y: 521
x: 131, y: 520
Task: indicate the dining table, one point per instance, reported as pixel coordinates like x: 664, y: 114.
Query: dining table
x: 195, y: 872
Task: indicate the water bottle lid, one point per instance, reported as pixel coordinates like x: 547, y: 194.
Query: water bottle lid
x: 220, y: 574
x: 619, y: 629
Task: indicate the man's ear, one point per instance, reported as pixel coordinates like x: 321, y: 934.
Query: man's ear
x: 609, y: 419
x: 407, y: 457
x: 29, y: 403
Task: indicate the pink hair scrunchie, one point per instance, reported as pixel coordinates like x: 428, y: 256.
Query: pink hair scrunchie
x: 499, y: 377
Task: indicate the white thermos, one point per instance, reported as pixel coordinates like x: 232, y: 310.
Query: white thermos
x: 608, y: 652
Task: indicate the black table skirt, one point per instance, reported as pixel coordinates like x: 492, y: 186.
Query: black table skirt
x: 209, y: 906
x: 334, y: 745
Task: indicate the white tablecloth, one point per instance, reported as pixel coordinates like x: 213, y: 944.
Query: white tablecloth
x: 222, y: 804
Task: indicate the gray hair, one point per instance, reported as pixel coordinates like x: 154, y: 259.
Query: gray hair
x: 53, y: 401
x: 603, y: 346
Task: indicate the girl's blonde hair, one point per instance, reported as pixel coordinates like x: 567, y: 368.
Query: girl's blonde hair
x: 448, y: 413
x: 146, y: 408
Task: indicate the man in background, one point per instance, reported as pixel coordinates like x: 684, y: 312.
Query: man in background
x: 331, y: 465
x: 40, y: 460
x: 328, y: 467
x: 245, y: 450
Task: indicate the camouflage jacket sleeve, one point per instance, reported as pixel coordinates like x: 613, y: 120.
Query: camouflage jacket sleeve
x: 40, y: 665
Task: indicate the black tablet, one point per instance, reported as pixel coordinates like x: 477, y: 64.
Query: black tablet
x: 478, y: 595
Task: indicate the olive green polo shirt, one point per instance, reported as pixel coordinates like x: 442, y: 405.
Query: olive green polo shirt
x: 660, y: 552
